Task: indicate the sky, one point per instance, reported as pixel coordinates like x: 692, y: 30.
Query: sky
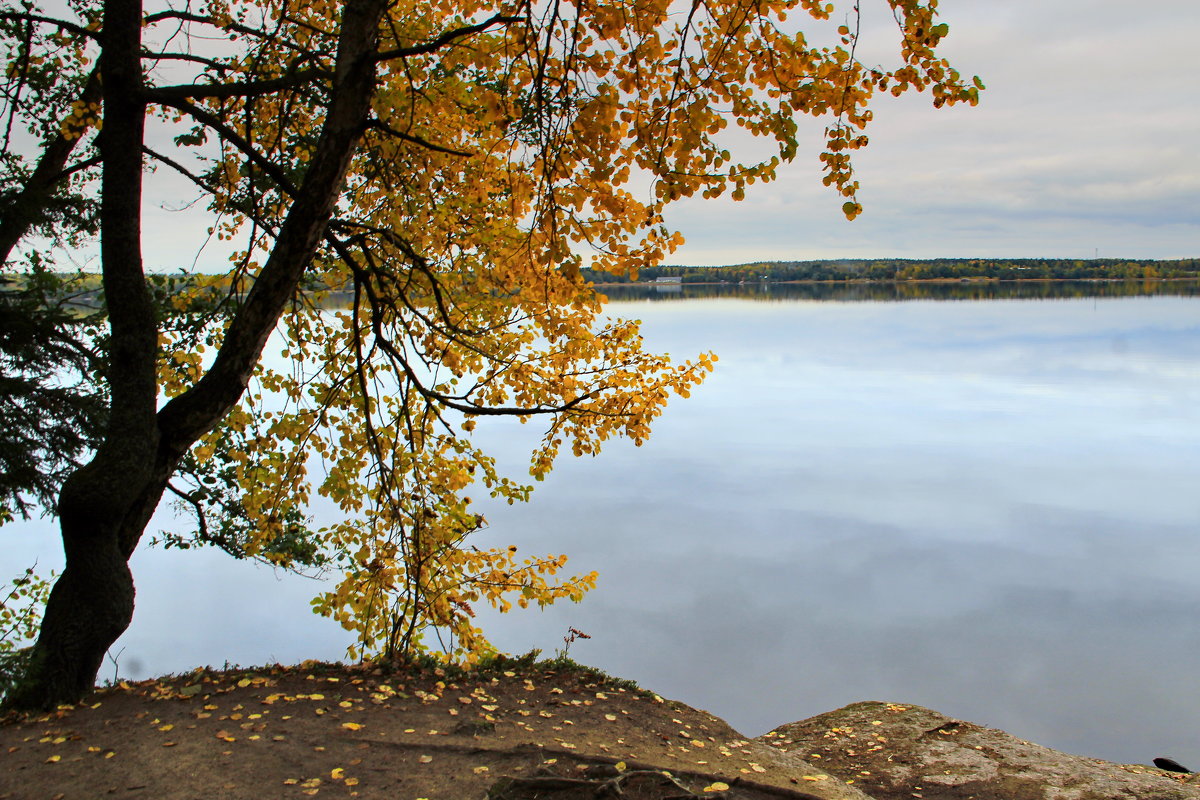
x: 1083, y: 144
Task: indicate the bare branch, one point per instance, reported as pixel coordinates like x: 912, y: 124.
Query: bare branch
x: 449, y: 37
x: 184, y: 16
x: 379, y: 124
x: 75, y: 28
x: 208, y: 62
x: 227, y: 133
x: 164, y: 94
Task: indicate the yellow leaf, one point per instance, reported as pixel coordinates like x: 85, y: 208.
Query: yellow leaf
x: 352, y: 726
x: 717, y: 786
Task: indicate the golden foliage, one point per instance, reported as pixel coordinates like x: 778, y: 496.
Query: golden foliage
x: 511, y: 144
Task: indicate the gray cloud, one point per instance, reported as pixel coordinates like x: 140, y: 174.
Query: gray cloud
x: 1084, y: 140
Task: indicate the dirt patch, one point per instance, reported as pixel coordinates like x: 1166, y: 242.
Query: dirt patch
x: 336, y: 731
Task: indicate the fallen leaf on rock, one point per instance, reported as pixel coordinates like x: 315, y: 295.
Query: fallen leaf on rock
x: 425, y: 759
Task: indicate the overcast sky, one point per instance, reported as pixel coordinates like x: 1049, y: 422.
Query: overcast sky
x: 1087, y: 140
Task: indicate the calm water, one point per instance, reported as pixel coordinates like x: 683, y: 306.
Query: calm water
x: 989, y: 507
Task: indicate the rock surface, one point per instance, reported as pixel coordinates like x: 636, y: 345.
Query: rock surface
x: 893, y: 751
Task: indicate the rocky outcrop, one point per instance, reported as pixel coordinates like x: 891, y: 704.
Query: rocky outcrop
x: 893, y: 751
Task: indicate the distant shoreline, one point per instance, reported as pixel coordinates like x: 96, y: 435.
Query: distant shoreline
x: 885, y: 282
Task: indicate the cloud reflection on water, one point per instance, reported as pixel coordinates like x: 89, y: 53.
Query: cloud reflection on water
x: 988, y: 508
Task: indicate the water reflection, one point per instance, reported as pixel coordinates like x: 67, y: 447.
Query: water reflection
x: 987, y: 508
x: 984, y: 507
x: 849, y: 291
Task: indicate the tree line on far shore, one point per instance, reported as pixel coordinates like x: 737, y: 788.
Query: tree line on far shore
x: 898, y: 269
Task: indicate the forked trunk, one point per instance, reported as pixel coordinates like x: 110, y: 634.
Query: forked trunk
x: 105, y: 506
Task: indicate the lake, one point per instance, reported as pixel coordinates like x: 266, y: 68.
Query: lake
x: 986, y: 506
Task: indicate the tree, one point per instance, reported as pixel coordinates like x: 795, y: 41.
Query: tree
x: 443, y: 168
x: 54, y: 406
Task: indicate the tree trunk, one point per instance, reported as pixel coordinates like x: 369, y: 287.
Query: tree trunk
x: 90, y: 607
x: 100, y: 505
x: 105, y: 506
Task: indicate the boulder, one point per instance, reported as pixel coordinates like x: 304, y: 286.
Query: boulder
x: 894, y: 751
